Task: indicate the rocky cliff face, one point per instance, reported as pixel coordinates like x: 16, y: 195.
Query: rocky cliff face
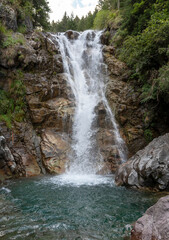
x: 42, y: 140
x: 124, y: 100
x: 9, y: 165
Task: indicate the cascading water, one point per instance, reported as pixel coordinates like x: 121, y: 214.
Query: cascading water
x: 78, y: 204
x: 83, y: 64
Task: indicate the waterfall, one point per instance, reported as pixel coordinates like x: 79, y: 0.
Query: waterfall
x: 85, y: 69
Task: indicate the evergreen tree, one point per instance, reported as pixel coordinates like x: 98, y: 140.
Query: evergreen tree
x: 41, y: 13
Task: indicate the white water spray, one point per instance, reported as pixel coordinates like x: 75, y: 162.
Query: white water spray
x: 83, y: 63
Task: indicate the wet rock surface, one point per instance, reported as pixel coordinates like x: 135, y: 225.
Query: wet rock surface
x: 125, y: 102
x: 55, y: 147
x: 154, y: 224
x: 72, y: 35
x: 148, y: 168
x: 49, y: 102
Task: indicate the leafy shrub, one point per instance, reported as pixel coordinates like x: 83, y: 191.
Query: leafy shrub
x: 11, y: 40
x: 22, y: 29
x: 148, y: 135
x: 163, y: 80
x: 7, y: 119
x: 100, y: 20
x: 103, y: 18
x: 13, y: 102
x: 148, y: 50
x: 149, y: 92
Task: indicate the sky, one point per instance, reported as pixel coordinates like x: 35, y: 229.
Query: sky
x: 78, y: 7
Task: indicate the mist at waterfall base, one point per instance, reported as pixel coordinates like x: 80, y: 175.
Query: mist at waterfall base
x: 78, y: 205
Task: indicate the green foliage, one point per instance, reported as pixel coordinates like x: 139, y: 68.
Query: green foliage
x: 148, y: 51
x: 148, y: 135
x: 7, y: 119
x: 2, y: 28
x: 163, y: 80
x: 11, y: 40
x: 101, y: 19
x: 143, y: 51
x: 3, y: 32
x: 104, y: 18
x: 13, y: 102
x: 40, y: 13
x: 37, y: 10
x: 149, y: 92
x: 109, y: 4
x: 22, y: 29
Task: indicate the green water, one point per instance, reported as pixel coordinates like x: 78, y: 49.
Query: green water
x: 61, y: 208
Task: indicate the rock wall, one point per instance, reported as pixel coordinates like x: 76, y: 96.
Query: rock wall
x: 139, y: 122
x: 124, y: 101
x: 9, y: 165
x: 42, y: 140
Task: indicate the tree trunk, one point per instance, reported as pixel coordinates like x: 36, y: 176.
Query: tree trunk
x: 118, y: 4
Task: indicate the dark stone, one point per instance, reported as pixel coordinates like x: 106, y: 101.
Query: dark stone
x: 148, y: 168
x: 72, y: 35
x: 28, y: 24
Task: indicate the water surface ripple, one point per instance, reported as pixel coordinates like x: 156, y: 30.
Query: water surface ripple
x: 65, y: 207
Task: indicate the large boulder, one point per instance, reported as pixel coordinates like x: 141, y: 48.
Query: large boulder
x: 148, y: 168
x: 72, y: 35
x: 154, y: 225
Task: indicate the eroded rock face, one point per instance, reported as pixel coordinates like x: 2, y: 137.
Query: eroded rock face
x: 148, y: 168
x: 49, y: 101
x: 154, y: 225
x: 8, y: 16
x: 55, y: 148
x: 6, y: 156
x: 25, y: 147
x: 9, y: 165
x: 124, y: 101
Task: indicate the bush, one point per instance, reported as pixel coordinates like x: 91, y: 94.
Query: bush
x: 148, y: 135
x: 148, y: 50
x: 13, y: 102
x: 101, y: 19
x: 11, y: 40
x: 163, y: 80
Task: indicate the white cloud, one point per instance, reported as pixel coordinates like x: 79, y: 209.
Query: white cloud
x: 59, y: 7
